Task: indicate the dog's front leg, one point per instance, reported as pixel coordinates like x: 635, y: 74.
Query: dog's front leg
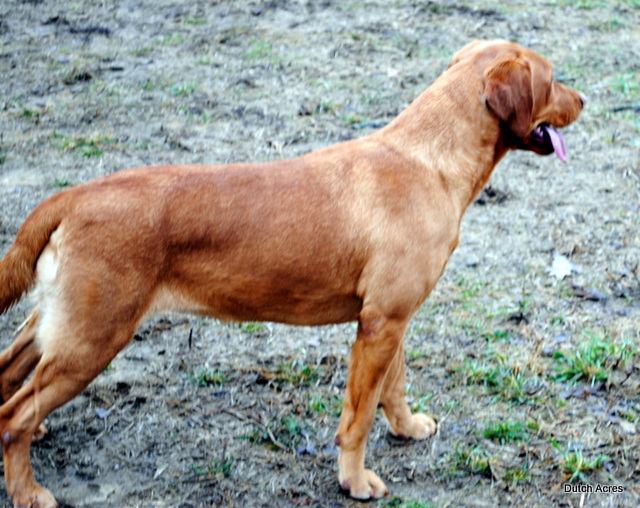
x: 402, y: 423
x: 377, y: 343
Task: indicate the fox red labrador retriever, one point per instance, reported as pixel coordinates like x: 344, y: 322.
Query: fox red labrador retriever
x: 358, y: 231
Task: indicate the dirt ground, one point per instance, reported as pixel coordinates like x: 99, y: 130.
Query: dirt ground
x: 195, y: 412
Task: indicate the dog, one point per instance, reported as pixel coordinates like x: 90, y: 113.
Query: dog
x: 358, y: 231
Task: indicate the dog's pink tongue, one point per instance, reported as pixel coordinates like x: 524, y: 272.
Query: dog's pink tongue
x: 558, y: 142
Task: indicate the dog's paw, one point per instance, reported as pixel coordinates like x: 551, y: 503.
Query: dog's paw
x: 367, y: 485
x: 419, y: 427
x: 38, y: 497
x: 423, y: 426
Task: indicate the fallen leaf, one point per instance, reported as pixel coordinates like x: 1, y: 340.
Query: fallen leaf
x: 561, y: 267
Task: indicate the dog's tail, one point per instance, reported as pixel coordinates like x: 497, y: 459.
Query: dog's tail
x: 18, y: 267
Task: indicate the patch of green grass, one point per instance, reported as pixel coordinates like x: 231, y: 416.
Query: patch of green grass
x: 29, y: 113
x: 469, y: 289
x: 352, y: 119
x: 141, y: 52
x: 472, y: 460
x: 143, y: 144
x: 533, y: 425
x: 506, y: 431
x: 503, y: 312
x: 507, y: 382
x: 321, y: 405
x: 594, y: 360
x: 297, y: 373
x: 254, y: 328
x: 575, y: 463
x: 209, y: 377
x: 215, y: 468
x: 630, y: 414
x: 182, y: 89
x: 496, y: 336
x: 195, y: 21
x: 291, y: 425
x: 415, y: 354
x: 92, y: 152
x: 609, y: 25
x: 471, y: 324
x: 87, y: 147
x: 437, y: 8
x: 515, y: 475
x: 420, y: 404
x: 288, y: 433
x: 148, y: 86
x: 172, y: 40
x: 58, y: 184
x: 258, y: 50
x: 325, y: 106
x: 586, y: 4
x: 627, y: 84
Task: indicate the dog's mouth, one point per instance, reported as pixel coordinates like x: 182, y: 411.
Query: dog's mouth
x: 547, y: 140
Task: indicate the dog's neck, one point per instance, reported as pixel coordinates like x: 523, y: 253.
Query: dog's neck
x: 420, y: 127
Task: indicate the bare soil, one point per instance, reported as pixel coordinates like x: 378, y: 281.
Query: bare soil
x: 195, y: 412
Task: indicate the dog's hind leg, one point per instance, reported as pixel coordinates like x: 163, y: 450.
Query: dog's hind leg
x: 19, y: 359
x: 17, y: 362
x: 74, y: 352
x: 402, y: 423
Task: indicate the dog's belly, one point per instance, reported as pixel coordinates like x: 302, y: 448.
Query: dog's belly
x: 260, y: 304
x: 299, y: 284
x: 293, y: 310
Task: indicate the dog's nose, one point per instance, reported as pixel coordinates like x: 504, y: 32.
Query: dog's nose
x: 583, y: 99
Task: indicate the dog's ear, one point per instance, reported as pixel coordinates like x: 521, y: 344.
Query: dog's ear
x: 509, y: 93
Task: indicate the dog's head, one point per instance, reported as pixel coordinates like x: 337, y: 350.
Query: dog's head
x: 520, y: 90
